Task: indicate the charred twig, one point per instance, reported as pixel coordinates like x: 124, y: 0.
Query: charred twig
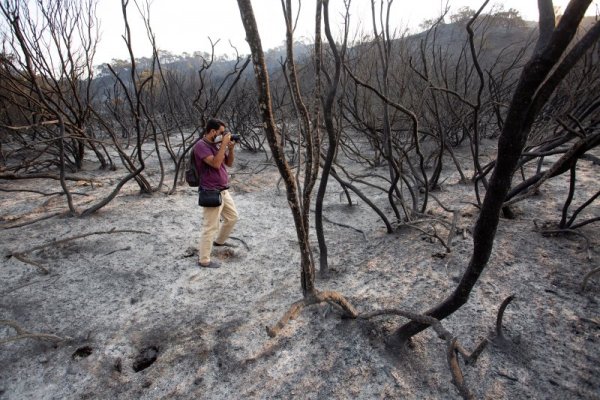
x: 512, y: 378
x: 452, y: 230
x: 587, y: 277
x: 445, y: 208
x: 240, y: 240
x: 23, y: 259
x: 477, y: 206
x: 24, y: 334
x: 260, y: 168
x: 471, y: 358
x: 587, y: 249
x: 503, y: 306
x: 434, y: 234
x: 344, y: 226
x: 114, y: 251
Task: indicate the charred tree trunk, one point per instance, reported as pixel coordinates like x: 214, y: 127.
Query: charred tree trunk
x: 274, y: 140
x: 332, y: 136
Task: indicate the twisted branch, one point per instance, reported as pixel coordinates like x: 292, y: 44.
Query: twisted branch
x: 315, y: 298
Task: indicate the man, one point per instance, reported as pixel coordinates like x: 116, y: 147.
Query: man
x: 216, y: 152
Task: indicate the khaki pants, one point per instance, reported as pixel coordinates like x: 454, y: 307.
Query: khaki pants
x: 211, y: 225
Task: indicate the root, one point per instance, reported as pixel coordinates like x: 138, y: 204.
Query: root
x: 316, y: 298
x: 339, y: 300
x: 290, y: 314
x: 457, y: 375
x: 24, y: 334
x: 452, y: 346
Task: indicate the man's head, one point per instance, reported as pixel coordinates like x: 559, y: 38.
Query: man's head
x: 214, y: 127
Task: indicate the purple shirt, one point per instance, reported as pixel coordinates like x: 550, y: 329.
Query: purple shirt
x: 210, y: 178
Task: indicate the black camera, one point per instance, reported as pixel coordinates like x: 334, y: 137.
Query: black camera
x: 234, y: 136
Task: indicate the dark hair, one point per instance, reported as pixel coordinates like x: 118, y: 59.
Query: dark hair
x: 213, y: 123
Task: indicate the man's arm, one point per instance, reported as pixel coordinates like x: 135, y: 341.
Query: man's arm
x: 230, y: 157
x: 216, y: 160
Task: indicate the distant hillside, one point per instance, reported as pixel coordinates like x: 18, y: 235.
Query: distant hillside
x: 498, y: 45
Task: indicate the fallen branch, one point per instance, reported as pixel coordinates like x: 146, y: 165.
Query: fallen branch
x: 20, y: 255
x: 40, y: 192
x: 28, y: 284
x: 42, y: 218
x: 13, y: 177
x: 117, y: 250
x: 24, y: 334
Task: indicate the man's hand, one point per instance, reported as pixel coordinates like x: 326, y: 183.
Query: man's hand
x: 226, y: 140
x: 230, y: 153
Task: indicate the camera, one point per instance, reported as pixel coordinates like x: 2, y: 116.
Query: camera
x: 234, y: 136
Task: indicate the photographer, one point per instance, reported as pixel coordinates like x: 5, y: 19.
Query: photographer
x: 216, y: 150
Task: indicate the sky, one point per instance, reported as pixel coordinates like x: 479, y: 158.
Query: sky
x: 185, y: 25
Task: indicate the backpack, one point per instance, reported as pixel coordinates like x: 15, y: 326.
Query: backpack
x: 191, y: 173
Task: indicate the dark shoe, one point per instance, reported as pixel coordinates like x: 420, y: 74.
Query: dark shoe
x: 212, y: 264
x: 226, y: 244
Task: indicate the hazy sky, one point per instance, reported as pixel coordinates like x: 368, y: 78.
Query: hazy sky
x: 185, y: 25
